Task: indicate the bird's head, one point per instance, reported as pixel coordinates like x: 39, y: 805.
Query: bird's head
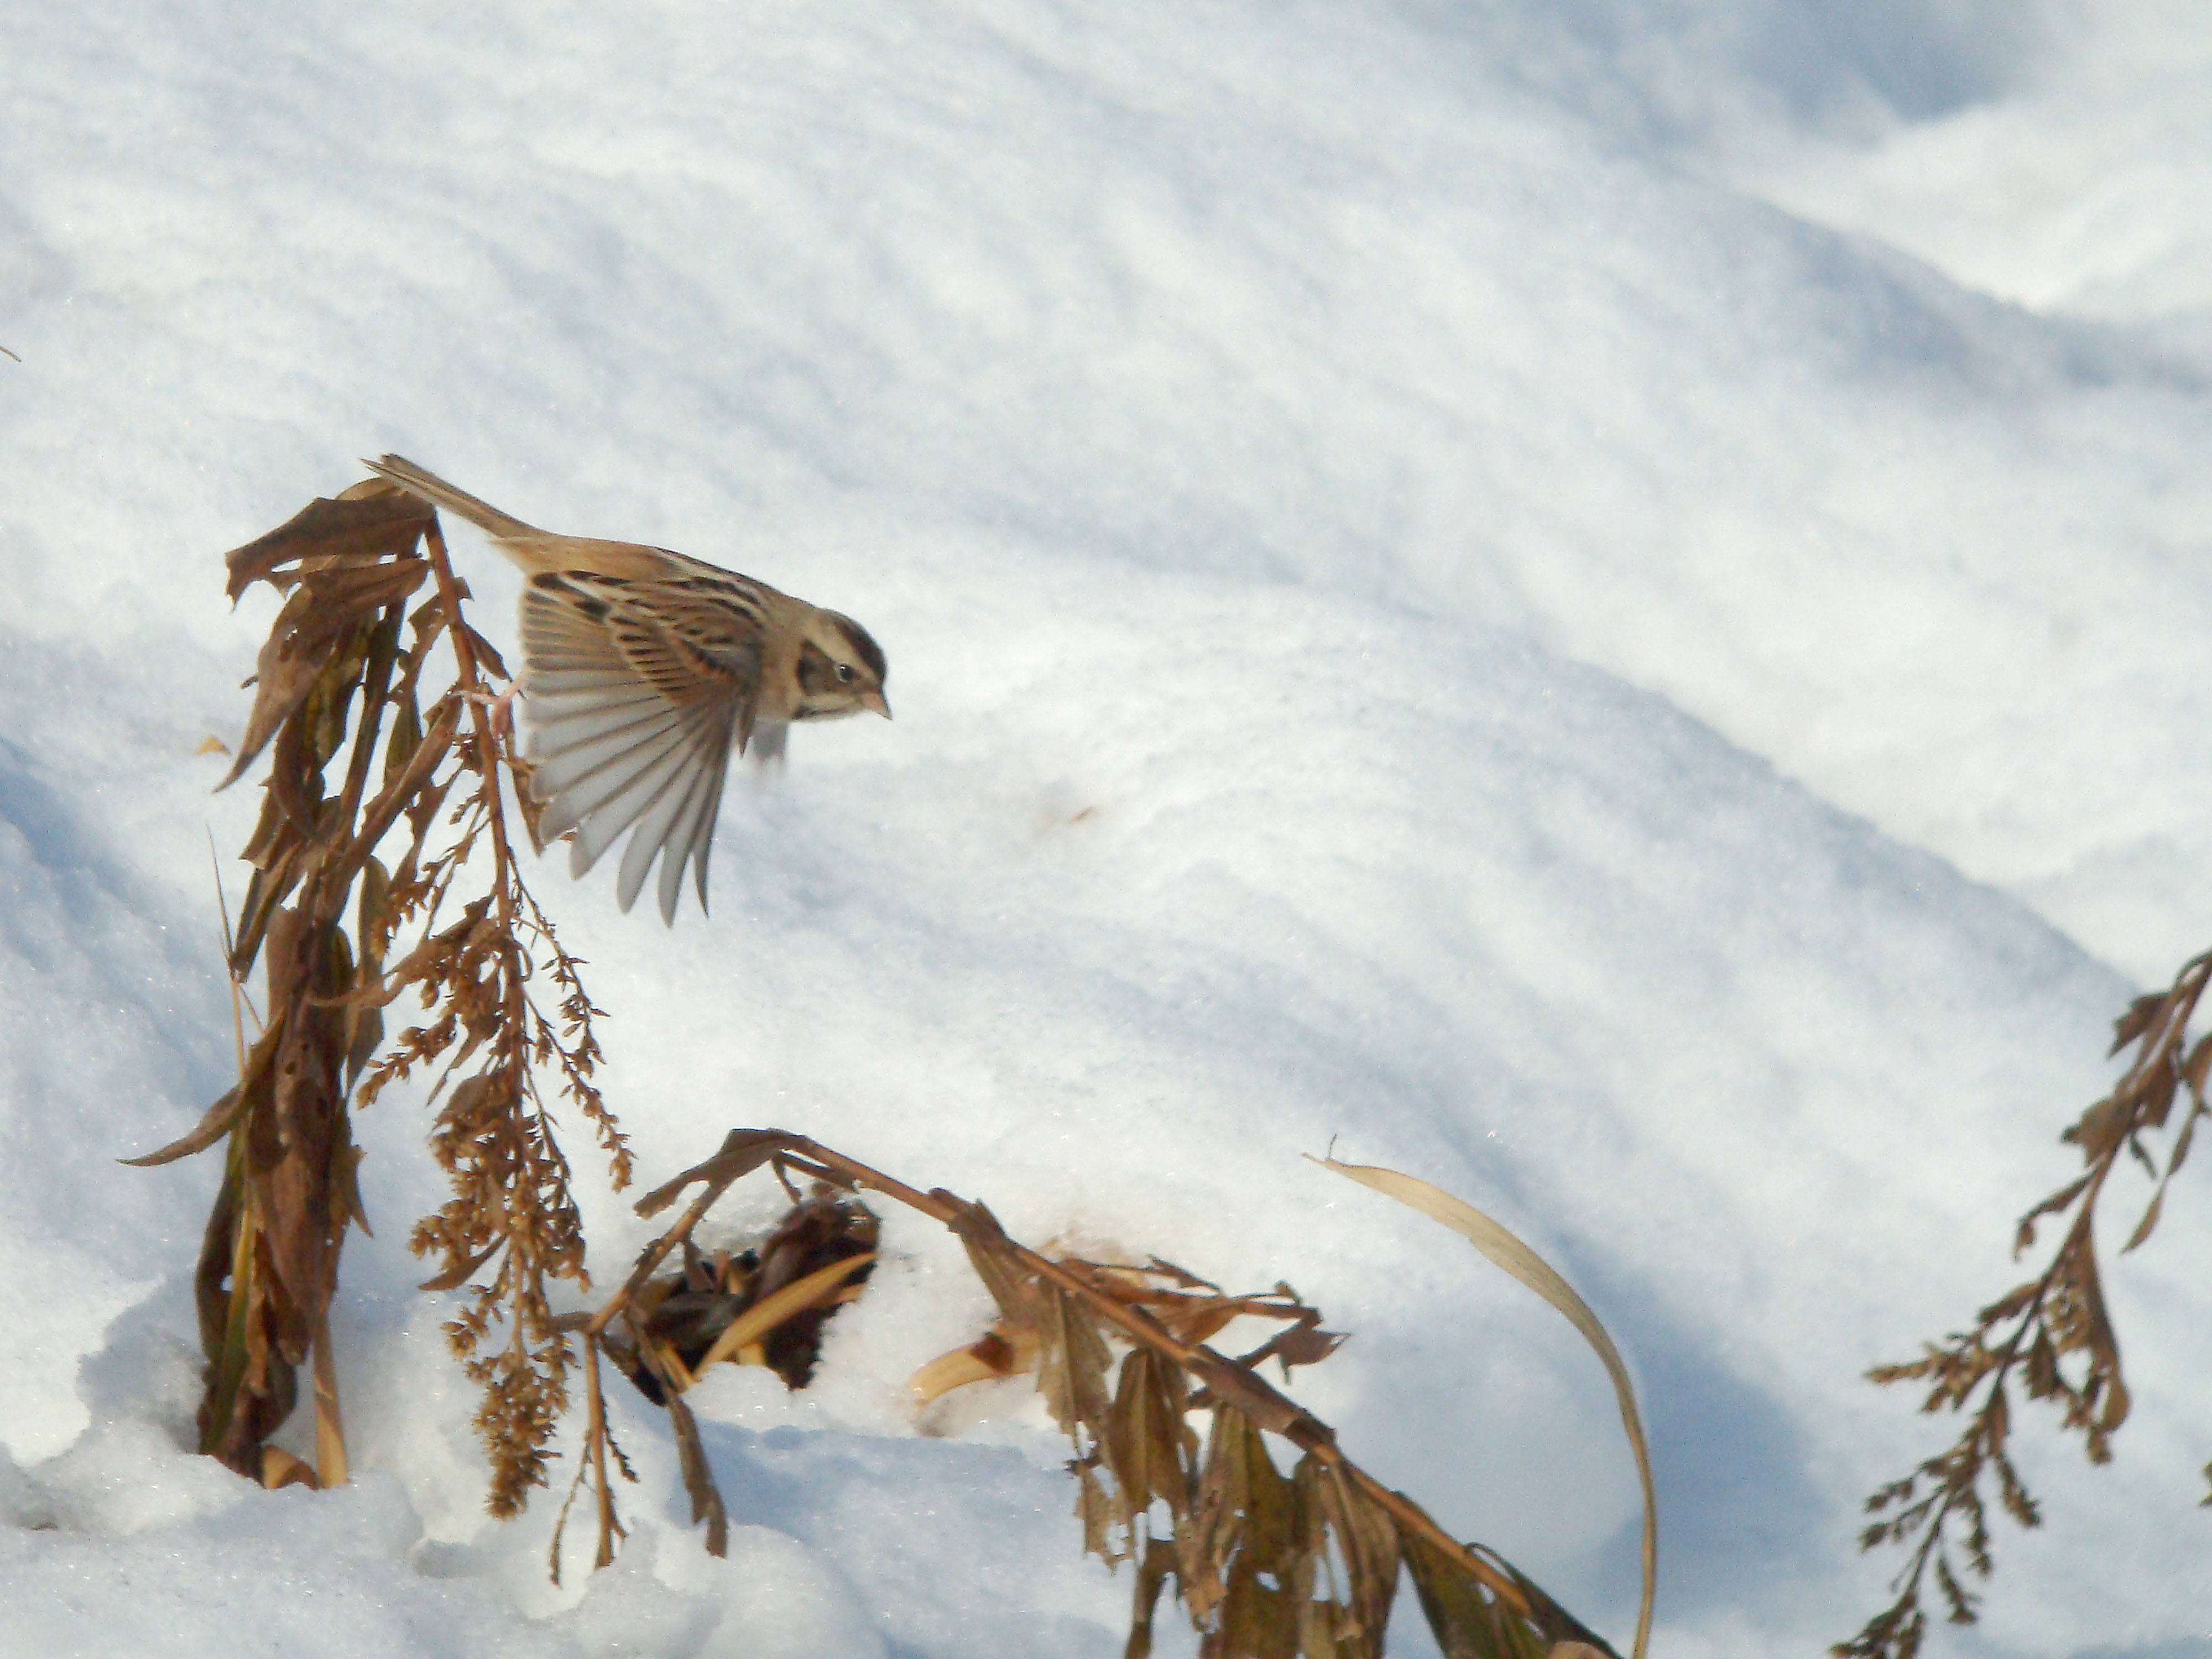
x: 841, y: 670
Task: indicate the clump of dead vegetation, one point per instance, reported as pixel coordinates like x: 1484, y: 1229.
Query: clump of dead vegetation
x: 1263, y: 1562
x: 376, y: 699
x: 385, y: 878
x: 2050, y: 1337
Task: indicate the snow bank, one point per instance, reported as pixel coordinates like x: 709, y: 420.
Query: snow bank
x: 1419, y: 613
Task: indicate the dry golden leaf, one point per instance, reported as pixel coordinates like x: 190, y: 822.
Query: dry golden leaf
x: 330, y: 1463
x: 818, y: 1287
x: 988, y: 1358
x: 212, y: 745
x: 280, y: 1468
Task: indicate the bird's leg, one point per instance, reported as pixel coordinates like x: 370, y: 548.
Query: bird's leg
x: 501, y: 708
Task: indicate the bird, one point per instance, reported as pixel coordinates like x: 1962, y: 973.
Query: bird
x: 641, y: 669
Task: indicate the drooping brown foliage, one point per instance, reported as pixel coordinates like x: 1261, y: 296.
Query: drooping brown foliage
x: 1302, y: 1566
x: 382, y: 864
x: 2050, y: 1337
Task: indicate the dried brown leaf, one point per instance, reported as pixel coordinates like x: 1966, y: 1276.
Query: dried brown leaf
x: 1466, y: 1623
x: 2149, y: 1219
x: 698, y: 1475
x: 1301, y: 1343
x: 1366, y: 1544
x: 2176, y: 1159
x: 2024, y: 1235
x: 2137, y: 1019
x: 210, y: 1128
x: 1155, y: 1565
x: 1104, y: 1516
x: 321, y: 641
x: 1072, y: 1360
x: 1148, y: 1446
x: 369, y: 525
x: 2198, y: 1067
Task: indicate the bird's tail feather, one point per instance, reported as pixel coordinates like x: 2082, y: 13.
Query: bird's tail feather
x: 434, y: 490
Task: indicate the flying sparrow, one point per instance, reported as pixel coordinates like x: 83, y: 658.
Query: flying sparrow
x: 640, y: 667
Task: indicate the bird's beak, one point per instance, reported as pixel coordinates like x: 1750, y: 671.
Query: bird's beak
x: 875, y: 700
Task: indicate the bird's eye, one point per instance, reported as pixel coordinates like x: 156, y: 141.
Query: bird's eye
x: 844, y: 673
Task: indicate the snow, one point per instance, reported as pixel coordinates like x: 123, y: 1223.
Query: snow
x: 1600, y: 603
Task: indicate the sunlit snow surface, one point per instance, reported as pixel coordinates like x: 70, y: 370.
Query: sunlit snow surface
x: 1446, y: 590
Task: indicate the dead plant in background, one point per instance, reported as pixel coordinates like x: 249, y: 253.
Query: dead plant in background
x: 2049, y: 1337
x: 386, y: 746
x: 1303, y: 1565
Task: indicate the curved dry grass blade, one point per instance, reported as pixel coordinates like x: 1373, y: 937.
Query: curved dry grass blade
x: 990, y: 1358
x: 770, y: 1311
x: 1507, y: 1251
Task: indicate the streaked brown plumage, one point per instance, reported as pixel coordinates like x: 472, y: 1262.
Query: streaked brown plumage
x: 641, y: 668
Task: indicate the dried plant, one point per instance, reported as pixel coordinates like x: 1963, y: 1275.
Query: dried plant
x: 369, y: 759
x: 2050, y: 1335
x: 1300, y: 1566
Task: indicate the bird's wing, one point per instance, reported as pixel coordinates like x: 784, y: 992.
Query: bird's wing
x: 634, y: 698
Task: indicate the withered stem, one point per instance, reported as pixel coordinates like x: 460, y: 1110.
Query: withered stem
x: 330, y: 1463
x: 465, y: 654
x: 595, y: 1438
x: 338, y: 883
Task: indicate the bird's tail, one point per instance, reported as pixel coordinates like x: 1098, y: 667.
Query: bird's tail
x: 435, y: 490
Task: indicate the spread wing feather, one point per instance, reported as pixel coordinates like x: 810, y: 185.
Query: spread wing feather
x: 632, y: 720
x: 624, y: 770
x: 619, y: 803
x: 673, y: 821
x: 696, y: 831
